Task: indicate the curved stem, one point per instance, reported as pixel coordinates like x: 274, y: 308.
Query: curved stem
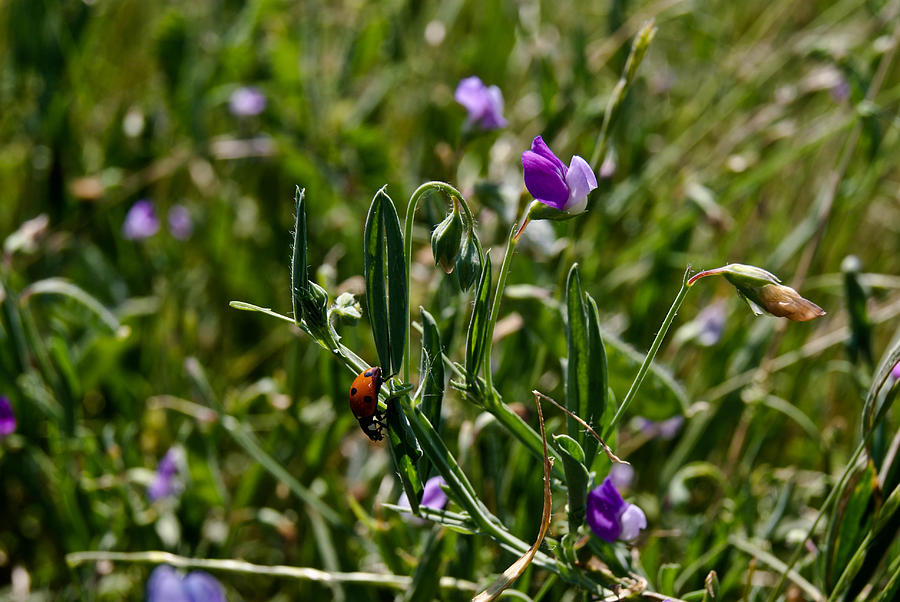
x: 654, y: 348
x: 421, y: 191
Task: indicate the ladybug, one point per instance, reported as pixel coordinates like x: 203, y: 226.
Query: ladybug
x: 364, y: 402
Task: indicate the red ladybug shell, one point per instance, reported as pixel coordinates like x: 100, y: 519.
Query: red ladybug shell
x: 364, y: 393
x: 364, y: 403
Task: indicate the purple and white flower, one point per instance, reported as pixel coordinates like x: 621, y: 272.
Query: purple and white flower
x: 610, y: 517
x: 484, y: 103
x: 552, y: 183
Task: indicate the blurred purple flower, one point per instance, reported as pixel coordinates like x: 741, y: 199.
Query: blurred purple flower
x: 610, y: 517
x: 166, y: 482
x: 180, y: 224
x: 841, y: 90
x: 621, y: 475
x: 141, y: 220
x: 7, y: 417
x: 247, y: 101
x: 895, y: 372
x: 166, y: 585
x: 711, y: 322
x: 552, y: 183
x: 666, y: 429
x: 433, y: 497
x: 484, y: 103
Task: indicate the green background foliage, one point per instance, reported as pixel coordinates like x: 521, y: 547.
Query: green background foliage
x: 761, y: 134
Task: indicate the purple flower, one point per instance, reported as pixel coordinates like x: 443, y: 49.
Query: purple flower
x: 432, y: 497
x: 667, y: 429
x: 621, y: 475
x: 895, y: 372
x: 165, y: 585
x: 180, y: 224
x: 7, y: 417
x: 166, y: 482
x: 247, y: 101
x: 610, y: 517
x: 552, y: 183
x: 141, y: 220
x: 711, y: 322
x: 484, y: 103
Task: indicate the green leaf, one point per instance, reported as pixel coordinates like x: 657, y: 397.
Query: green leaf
x: 586, y: 369
x: 576, y: 479
x: 376, y: 292
x: 397, y: 283
x: 405, y: 452
x: 888, y: 361
x: 665, y: 579
x: 299, y: 272
x: 598, y: 381
x: 476, y: 337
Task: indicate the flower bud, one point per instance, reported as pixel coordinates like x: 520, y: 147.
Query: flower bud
x: 446, y: 239
x: 762, y: 291
x: 315, y: 306
x: 468, y: 263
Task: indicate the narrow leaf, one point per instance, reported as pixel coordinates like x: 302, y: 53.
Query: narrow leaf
x: 598, y: 379
x: 376, y: 293
x: 476, y: 337
x: 398, y: 302
x: 299, y: 272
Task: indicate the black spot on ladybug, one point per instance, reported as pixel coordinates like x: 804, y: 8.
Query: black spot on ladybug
x: 368, y: 399
x: 369, y: 372
x: 353, y: 391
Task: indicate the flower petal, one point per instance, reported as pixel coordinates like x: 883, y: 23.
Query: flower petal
x: 604, y: 507
x: 633, y: 520
x: 540, y: 147
x: 492, y: 118
x: 471, y: 94
x: 434, y: 496
x: 544, y: 181
x: 200, y: 586
x: 580, y: 180
x: 164, y: 585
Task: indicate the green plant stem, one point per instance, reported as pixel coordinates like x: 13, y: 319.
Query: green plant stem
x: 654, y: 348
x: 417, y: 195
x: 495, y: 310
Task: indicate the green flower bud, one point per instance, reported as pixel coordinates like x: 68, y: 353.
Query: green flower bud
x: 314, y: 305
x: 446, y: 239
x: 468, y: 263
